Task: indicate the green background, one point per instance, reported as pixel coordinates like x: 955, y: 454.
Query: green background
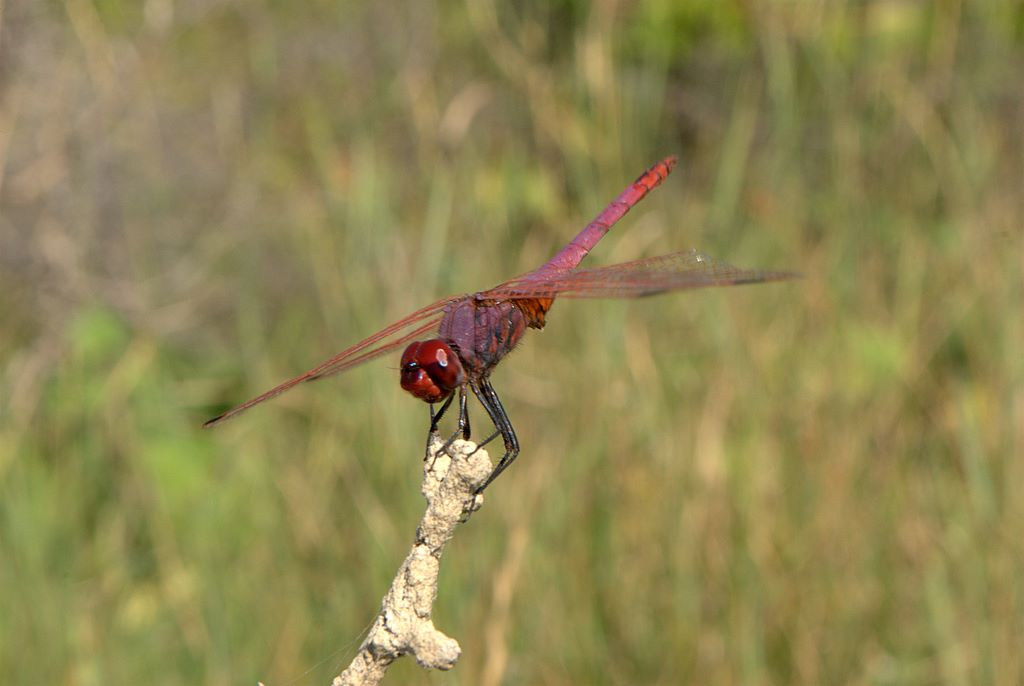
x: 815, y: 482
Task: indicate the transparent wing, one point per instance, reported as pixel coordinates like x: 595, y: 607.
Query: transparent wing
x: 648, y: 276
x: 380, y: 343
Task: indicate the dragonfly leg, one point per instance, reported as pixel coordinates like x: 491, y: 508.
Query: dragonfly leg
x: 463, y: 413
x: 489, y: 399
x: 435, y: 418
x: 463, y: 429
x: 487, y: 440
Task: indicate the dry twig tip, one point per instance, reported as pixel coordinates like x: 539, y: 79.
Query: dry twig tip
x: 404, y: 625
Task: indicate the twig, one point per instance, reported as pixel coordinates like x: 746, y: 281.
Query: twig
x: 404, y: 625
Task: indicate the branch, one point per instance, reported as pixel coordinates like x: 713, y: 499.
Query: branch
x: 403, y: 625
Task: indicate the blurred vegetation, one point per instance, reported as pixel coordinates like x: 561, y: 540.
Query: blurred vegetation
x: 806, y: 483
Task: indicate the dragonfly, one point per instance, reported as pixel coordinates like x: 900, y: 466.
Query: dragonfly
x: 474, y: 332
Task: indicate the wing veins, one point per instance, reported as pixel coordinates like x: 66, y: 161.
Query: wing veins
x: 634, y: 279
x: 352, y: 356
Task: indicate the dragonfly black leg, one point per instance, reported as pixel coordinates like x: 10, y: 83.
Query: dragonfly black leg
x: 435, y: 418
x: 463, y: 414
x: 463, y: 429
x: 489, y: 399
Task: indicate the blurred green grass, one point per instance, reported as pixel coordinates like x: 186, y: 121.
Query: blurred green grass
x: 797, y: 484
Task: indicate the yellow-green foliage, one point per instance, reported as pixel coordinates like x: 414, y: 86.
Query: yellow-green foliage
x: 814, y: 482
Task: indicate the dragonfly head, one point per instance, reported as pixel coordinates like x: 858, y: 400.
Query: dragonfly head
x: 431, y: 370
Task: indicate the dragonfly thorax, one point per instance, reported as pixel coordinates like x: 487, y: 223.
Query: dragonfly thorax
x: 431, y: 370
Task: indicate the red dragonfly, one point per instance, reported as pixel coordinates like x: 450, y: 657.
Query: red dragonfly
x: 474, y: 332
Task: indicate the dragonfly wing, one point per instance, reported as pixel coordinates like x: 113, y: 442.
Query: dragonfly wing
x: 648, y: 276
x: 380, y: 343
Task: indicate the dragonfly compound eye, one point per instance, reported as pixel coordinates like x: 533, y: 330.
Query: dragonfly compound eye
x: 430, y: 370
